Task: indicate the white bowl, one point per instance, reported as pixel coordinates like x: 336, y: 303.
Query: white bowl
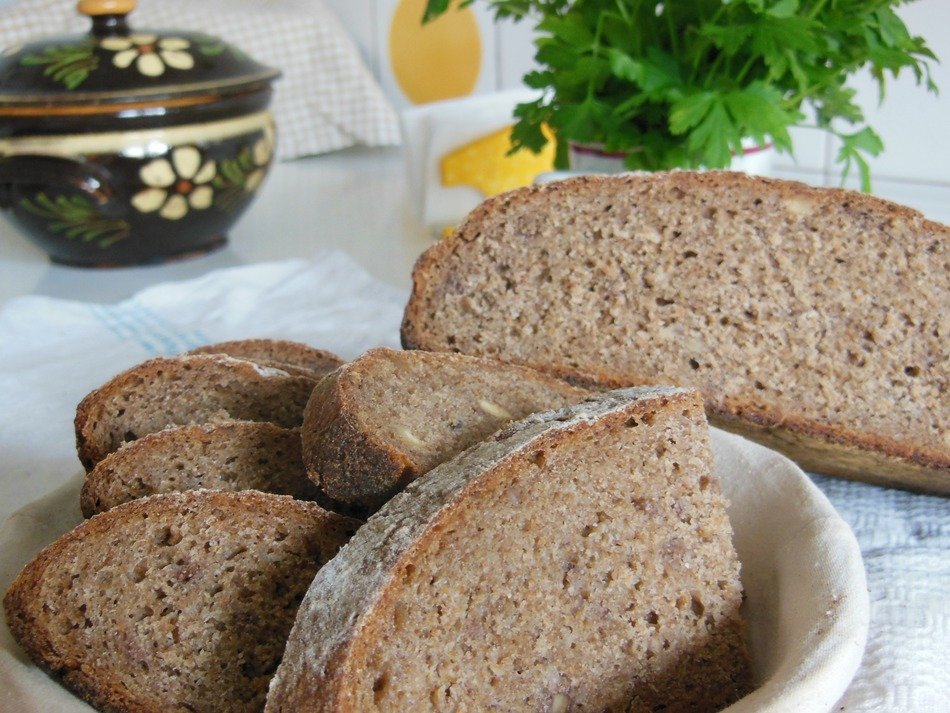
x: 806, y: 595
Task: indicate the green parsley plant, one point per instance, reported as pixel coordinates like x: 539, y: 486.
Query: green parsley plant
x: 680, y: 84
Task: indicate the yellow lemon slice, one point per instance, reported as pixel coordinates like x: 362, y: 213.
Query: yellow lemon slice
x: 485, y: 165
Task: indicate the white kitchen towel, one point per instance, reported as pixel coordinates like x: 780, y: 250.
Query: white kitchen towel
x: 327, y: 98
x: 905, y: 543
x: 808, y: 600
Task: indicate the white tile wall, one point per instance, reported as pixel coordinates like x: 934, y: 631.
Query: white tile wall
x: 487, y: 79
x: 515, y: 52
x: 912, y: 122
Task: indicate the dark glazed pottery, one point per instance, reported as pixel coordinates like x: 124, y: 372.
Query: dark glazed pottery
x: 123, y: 148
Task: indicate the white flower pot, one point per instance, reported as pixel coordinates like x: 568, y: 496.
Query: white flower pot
x: 591, y: 158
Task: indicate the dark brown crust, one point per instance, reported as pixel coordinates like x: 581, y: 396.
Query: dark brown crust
x: 296, y: 357
x: 841, y: 457
x: 335, y: 447
x: 820, y: 447
x: 354, y: 468
x: 817, y: 447
x: 91, y: 452
x: 81, y: 677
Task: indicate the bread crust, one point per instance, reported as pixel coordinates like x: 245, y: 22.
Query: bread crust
x: 834, y: 449
x: 93, y: 408
x: 294, y: 357
x: 335, y: 625
x: 357, y: 470
x: 335, y: 446
x: 842, y: 456
x: 81, y: 675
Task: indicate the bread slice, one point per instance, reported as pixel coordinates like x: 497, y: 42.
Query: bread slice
x: 177, y: 602
x: 171, y: 391
x: 239, y: 455
x: 378, y: 423
x: 812, y: 319
x: 293, y: 357
x: 577, y: 560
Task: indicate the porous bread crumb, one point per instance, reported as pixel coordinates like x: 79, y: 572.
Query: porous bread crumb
x: 444, y: 398
x: 389, y: 416
x: 234, y: 456
x: 580, y: 556
x: 790, y: 307
x: 174, y: 603
x: 170, y: 391
x: 454, y: 401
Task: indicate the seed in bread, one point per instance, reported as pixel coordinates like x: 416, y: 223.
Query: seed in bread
x: 812, y: 319
x: 177, y: 602
x: 236, y: 455
x: 577, y: 560
x: 379, y: 422
x: 174, y: 391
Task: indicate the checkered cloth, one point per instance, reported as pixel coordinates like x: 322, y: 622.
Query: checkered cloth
x: 326, y: 100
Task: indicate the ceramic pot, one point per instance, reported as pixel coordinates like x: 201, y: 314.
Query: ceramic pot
x: 124, y: 147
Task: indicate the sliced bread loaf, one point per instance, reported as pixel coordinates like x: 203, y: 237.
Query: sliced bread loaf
x: 177, y: 602
x: 293, y: 357
x: 578, y: 560
x: 813, y: 320
x: 378, y: 423
x: 237, y: 455
x: 171, y: 391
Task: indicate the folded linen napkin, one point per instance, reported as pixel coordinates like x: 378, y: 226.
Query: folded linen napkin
x: 327, y: 99
x: 52, y: 352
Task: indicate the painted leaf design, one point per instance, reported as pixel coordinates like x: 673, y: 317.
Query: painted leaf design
x: 70, y: 65
x: 77, y: 217
x: 231, y: 184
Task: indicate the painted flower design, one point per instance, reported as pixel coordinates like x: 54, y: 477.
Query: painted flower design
x: 149, y: 53
x: 261, y: 153
x: 176, y: 186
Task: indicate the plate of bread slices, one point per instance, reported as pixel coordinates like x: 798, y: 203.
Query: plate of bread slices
x: 452, y: 525
x: 526, y: 508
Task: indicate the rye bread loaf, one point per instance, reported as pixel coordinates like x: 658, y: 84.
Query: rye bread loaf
x: 237, y: 455
x: 173, y: 391
x: 814, y: 320
x: 578, y: 560
x: 178, y: 602
x: 378, y: 423
x: 293, y: 357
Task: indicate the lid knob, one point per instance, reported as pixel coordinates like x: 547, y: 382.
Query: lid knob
x: 94, y: 8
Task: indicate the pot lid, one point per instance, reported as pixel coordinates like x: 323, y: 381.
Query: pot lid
x: 114, y: 64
